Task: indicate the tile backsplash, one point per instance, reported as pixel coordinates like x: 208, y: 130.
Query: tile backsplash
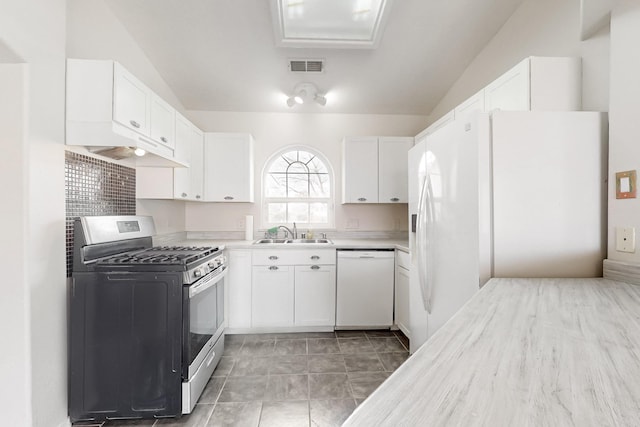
x: 95, y: 187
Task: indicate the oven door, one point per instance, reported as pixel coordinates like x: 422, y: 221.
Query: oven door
x: 202, y: 323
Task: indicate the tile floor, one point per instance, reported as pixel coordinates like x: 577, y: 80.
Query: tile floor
x: 298, y: 379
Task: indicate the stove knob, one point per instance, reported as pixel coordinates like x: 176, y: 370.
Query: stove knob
x: 211, y: 264
x: 197, y: 273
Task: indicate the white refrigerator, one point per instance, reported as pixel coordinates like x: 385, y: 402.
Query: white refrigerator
x: 511, y: 194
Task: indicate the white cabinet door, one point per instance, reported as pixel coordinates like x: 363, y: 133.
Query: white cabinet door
x: 182, y: 176
x: 188, y: 182
x: 511, y: 91
x: 360, y: 170
x: 196, y: 165
x: 238, y: 283
x: 315, y: 295
x: 272, y: 296
x: 402, y: 300
x: 392, y: 169
x: 131, y: 101
x: 228, y: 167
x: 163, y: 118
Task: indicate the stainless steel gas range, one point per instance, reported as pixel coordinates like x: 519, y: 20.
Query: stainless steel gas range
x: 146, y: 323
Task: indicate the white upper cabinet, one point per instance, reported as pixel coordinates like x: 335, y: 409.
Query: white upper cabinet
x: 374, y: 169
x: 360, y: 170
x: 441, y: 122
x: 110, y: 111
x: 188, y: 182
x: 163, y: 118
x: 470, y: 106
x: 131, y: 101
x: 538, y: 84
x: 392, y: 169
x: 228, y: 167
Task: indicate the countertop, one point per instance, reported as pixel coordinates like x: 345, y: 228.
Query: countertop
x: 402, y: 245
x: 523, y: 352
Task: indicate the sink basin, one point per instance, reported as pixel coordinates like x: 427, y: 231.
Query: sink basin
x: 272, y: 241
x: 326, y: 241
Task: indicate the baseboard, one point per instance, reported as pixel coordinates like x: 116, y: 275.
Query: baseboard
x: 621, y: 271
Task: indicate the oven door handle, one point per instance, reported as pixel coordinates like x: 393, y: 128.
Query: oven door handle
x: 207, y: 283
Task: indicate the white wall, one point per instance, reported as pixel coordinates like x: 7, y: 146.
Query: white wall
x: 35, y: 31
x: 624, y: 123
x: 94, y: 32
x: 538, y: 28
x: 14, y: 305
x: 323, y: 132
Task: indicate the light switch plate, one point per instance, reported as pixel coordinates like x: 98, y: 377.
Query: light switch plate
x: 625, y: 239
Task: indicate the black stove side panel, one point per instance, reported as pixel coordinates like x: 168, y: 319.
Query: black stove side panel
x: 125, y: 346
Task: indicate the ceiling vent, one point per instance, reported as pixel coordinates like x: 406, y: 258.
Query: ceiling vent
x: 306, y: 65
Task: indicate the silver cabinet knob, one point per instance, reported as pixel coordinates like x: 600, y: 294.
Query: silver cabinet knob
x: 315, y: 267
x: 273, y: 267
x: 362, y: 199
x: 228, y: 197
x: 395, y: 199
x: 315, y: 257
x: 184, y: 194
x: 163, y: 139
x: 134, y: 124
x: 273, y: 257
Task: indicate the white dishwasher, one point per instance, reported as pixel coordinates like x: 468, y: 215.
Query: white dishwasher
x: 364, y: 297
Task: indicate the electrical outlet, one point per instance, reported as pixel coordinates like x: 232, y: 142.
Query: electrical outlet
x: 352, y: 223
x: 240, y: 223
x: 625, y: 239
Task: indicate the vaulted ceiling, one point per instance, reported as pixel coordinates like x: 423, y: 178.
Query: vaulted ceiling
x: 221, y: 55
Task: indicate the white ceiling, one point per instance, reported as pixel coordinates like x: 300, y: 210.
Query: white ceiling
x: 221, y: 55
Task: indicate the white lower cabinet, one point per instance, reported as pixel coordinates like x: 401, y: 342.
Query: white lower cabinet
x: 272, y: 296
x: 315, y: 295
x: 401, y: 308
x: 293, y: 288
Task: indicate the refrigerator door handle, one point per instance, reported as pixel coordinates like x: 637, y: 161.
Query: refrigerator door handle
x: 421, y: 244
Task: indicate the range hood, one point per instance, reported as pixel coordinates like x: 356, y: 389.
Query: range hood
x: 117, y: 142
x: 92, y: 97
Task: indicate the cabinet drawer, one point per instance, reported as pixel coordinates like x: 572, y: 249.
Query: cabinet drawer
x: 315, y: 256
x: 403, y: 260
x: 273, y: 257
x: 294, y: 256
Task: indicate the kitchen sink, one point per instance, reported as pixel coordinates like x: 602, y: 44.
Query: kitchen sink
x: 326, y: 241
x: 292, y: 241
x: 271, y: 241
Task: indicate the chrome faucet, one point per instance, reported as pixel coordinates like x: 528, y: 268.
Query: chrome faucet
x: 294, y: 233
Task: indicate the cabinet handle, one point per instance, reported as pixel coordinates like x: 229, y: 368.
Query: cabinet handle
x: 315, y: 267
x: 273, y: 257
x: 315, y: 257
x: 228, y: 197
x: 273, y: 267
x: 362, y: 199
x: 395, y: 199
x: 134, y: 124
x: 163, y: 139
x: 184, y: 194
x: 197, y: 196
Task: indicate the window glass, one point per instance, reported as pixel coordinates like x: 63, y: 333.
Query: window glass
x: 297, y: 187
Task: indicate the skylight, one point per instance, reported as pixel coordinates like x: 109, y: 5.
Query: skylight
x: 329, y: 23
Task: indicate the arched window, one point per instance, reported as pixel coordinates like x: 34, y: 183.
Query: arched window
x: 297, y: 186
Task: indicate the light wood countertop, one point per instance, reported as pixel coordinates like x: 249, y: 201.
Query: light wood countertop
x: 523, y: 352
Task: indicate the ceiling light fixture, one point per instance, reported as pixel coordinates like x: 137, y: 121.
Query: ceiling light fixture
x: 139, y: 152
x: 305, y: 92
